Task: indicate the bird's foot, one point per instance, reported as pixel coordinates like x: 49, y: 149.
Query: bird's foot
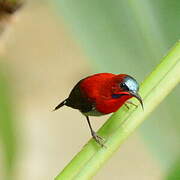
x: 130, y: 102
x: 98, y: 139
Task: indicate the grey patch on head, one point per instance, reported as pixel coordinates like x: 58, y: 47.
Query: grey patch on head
x: 131, y: 83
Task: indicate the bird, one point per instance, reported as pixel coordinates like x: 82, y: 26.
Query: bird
x: 101, y: 94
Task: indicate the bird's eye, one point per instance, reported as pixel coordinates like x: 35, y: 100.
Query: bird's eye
x: 124, y: 87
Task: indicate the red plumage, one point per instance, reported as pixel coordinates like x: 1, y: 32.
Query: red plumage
x: 99, y: 89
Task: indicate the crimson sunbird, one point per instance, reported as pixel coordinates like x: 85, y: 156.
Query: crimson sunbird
x: 101, y: 94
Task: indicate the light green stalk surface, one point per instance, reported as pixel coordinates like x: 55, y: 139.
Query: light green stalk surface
x: 8, y: 136
x: 122, y: 123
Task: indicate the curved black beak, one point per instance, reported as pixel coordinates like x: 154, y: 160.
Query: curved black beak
x: 138, y: 97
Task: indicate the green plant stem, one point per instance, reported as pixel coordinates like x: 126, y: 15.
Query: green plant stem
x: 122, y: 123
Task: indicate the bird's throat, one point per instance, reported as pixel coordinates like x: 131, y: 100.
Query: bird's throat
x: 111, y: 105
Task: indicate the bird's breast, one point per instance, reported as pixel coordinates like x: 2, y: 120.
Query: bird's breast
x: 107, y: 106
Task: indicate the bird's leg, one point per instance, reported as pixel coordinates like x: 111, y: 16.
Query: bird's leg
x: 97, y: 138
x: 130, y: 102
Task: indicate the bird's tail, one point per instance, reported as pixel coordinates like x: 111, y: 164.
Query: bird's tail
x: 60, y: 105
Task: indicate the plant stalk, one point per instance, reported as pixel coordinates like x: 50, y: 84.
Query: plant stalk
x: 122, y: 123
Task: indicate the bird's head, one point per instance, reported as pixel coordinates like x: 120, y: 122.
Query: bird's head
x: 125, y: 85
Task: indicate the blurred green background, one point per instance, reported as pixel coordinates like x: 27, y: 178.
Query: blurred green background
x: 47, y: 48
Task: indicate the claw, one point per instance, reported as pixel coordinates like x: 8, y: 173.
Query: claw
x: 98, y: 139
x: 130, y: 102
x: 126, y: 106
